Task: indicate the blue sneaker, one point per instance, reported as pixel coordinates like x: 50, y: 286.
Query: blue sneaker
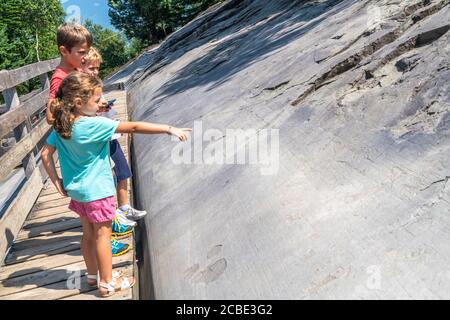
x: 119, y: 248
x: 120, y: 229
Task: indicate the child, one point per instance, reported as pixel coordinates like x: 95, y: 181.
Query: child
x: 91, y: 65
x: 82, y: 141
x: 73, y: 41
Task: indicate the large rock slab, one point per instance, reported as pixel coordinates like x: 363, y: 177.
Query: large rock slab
x: 350, y: 199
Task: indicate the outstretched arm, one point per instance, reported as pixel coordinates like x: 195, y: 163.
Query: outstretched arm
x: 49, y: 165
x: 152, y: 128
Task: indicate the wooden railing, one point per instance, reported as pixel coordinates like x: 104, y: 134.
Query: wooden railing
x: 27, y: 135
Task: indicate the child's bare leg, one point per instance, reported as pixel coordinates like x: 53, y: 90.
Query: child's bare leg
x: 103, y: 249
x: 122, y: 192
x: 124, y: 204
x: 88, y: 246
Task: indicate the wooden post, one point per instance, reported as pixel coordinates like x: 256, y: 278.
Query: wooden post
x: 12, y: 101
x: 44, y: 81
x: 45, y: 84
x: 11, y: 98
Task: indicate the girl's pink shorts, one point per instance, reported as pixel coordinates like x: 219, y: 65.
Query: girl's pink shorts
x: 96, y: 211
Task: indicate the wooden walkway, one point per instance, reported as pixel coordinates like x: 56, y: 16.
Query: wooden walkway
x: 45, y: 261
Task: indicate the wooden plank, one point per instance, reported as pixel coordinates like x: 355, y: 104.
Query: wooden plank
x: 50, y: 276
x: 53, y: 291
x: 49, y: 229
x: 36, y: 242
x: 36, y: 214
x: 11, y: 98
x: 49, y: 190
x: 4, y: 80
x: 29, y: 95
x: 41, y: 205
x: 15, y: 216
x: 29, y: 223
x: 14, y: 156
x: 43, y: 234
x: 43, y: 251
x: 51, y: 196
x: 12, y: 102
x: 94, y: 295
x: 12, y: 78
x: 16, y: 270
x: 10, y: 120
x: 50, y: 223
x: 30, y: 266
x: 19, y: 114
x: 36, y: 103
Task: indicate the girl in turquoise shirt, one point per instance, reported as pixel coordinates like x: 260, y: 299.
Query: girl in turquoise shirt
x: 82, y: 142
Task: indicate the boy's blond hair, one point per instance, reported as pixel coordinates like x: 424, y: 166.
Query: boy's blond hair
x: 93, y: 56
x: 72, y: 34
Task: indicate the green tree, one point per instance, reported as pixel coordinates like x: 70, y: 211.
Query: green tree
x: 41, y: 18
x: 153, y: 20
x: 114, y: 48
x: 135, y: 47
x: 28, y: 34
x: 8, y: 55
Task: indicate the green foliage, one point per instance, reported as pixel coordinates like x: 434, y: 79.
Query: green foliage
x: 152, y: 20
x: 114, y: 48
x: 135, y: 47
x: 27, y: 34
x: 30, y: 27
x: 8, y: 55
x: 110, y: 45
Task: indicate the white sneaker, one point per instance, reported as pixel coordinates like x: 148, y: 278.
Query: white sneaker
x: 124, y: 220
x: 132, y: 213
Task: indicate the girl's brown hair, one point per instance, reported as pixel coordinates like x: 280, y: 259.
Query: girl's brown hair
x: 75, y: 85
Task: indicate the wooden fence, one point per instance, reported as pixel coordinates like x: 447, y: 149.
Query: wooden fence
x: 28, y: 133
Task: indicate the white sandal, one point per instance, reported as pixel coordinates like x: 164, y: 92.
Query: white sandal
x: 115, y: 274
x: 111, y: 286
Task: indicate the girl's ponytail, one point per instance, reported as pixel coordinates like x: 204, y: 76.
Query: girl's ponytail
x: 63, y: 113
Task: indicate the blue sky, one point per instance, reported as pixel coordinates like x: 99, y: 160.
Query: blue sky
x: 96, y: 10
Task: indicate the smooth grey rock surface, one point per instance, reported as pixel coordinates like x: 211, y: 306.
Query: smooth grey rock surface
x: 358, y: 206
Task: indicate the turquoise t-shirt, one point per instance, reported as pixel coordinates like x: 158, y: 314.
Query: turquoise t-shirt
x: 84, y: 158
